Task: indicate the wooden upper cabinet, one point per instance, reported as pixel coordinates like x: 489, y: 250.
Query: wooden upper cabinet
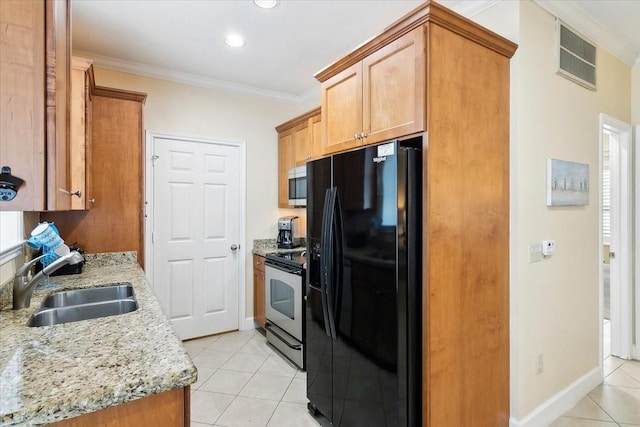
x: 302, y: 144
x: 342, y: 110
x: 285, y: 162
x: 80, y: 137
x: 379, y: 98
x: 34, y: 103
x: 393, y: 96
x: 298, y: 142
x: 58, y: 101
x: 315, y: 128
x: 22, y: 130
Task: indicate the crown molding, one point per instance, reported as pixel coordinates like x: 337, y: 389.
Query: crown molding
x: 573, y: 16
x: 189, y: 79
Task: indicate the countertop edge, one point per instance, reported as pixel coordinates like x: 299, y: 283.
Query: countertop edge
x: 120, y: 371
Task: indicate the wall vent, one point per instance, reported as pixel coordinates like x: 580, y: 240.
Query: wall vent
x: 576, y: 56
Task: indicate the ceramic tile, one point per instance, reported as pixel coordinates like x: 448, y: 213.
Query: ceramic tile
x: 301, y: 374
x: 632, y: 368
x: 278, y: 365
x: 610, y: 364
x: 620, y: 378
x: 256, y: 345
x: 580, y: 422
x: 203, y: 375
x: 587, y: 408
x: 244, y: 362
x: 194, y: 347
x: 270, y: 387
x: 297, y: 391
x: 228, y: 382
x: 199, y: 424
x: 621, y: 403
x: 247, y: 412
x: 289, y: 414
x: 232, y: 341
x: 206, y: 407
x: 211, y: 358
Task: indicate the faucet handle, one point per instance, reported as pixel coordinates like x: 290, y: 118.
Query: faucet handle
x: 27, y: 265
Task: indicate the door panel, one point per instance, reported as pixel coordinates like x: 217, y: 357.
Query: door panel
x: 196, y: 201
x: 342, y: 110
x: 394, y: 89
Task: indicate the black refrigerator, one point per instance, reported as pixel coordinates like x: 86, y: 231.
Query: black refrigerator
x: 363, y: 294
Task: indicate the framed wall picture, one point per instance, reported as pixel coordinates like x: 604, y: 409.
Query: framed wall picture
x: 567, y: 183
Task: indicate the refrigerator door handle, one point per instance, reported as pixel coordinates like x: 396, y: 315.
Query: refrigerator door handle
x: 324, y: 258
x: 336, y: 283
x: 330, y: 262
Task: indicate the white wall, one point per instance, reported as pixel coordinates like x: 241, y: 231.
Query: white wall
x: 180, y: 109
x: 554, y: 303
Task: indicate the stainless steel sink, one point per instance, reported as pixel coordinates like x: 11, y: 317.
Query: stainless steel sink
x: 90, y: 295
x: 75, y: 313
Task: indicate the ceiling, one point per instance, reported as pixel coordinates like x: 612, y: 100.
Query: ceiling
x: 285, y: 46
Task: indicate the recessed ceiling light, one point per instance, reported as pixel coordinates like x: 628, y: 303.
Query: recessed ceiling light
x: 234, y: 40
x: 266, y: 4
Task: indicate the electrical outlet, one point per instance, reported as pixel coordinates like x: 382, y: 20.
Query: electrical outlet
x: 539, y: 364
x: 535, y: 252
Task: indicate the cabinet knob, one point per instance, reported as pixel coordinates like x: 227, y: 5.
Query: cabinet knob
x: 92, y: 200
x: 355, y: 136
x: 363, y: 135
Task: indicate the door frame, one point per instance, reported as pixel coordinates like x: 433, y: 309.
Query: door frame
x: 621, y: 303
x: 636, y: 152
x: 150, y: 137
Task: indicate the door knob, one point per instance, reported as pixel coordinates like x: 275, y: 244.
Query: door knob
x: 234, y: 247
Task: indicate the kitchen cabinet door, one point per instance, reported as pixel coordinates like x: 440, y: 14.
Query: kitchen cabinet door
x: 259, y: 316
x: 58, y: 100
x: 379, y: 98
x: 315, y: 129
x: 34, y: 82
x: 302, y: 144
x: 342, y: 110
x: 285, y: 162
x: 80, y: 137
x: 22, y: 130
x: 394, y: 89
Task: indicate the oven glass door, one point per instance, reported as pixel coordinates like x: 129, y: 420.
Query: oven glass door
x: 284, y: 300
x: 298, y: 186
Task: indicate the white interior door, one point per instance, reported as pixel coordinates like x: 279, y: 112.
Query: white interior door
x: 620, y: 258
x: 196, y: 234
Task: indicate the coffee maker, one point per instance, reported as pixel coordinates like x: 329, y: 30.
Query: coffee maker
x: 288, y: 232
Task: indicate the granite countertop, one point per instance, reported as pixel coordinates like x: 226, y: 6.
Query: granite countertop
x: 52, y: 373
x: 263, y: 247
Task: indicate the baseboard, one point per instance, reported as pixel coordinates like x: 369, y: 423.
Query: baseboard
x: 247, y: 324
x: 561, y: 402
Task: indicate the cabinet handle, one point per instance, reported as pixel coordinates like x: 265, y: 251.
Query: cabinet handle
x: 72, y: 193
x: 363, y: 135
x: 92, y: 200
x: 355, y: 136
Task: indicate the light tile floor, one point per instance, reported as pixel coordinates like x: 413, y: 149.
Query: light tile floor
x: 615, y: 402
x: 242, y: 382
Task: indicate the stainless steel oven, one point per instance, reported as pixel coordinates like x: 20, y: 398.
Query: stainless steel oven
x: 284, y: 300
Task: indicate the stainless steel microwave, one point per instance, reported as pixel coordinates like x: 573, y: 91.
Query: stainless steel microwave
x: 298, y: 186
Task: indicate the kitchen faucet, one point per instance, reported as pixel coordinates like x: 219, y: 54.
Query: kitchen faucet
x: 23, y: 288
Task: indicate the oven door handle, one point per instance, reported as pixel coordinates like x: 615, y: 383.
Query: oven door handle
x: 296, y: 346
